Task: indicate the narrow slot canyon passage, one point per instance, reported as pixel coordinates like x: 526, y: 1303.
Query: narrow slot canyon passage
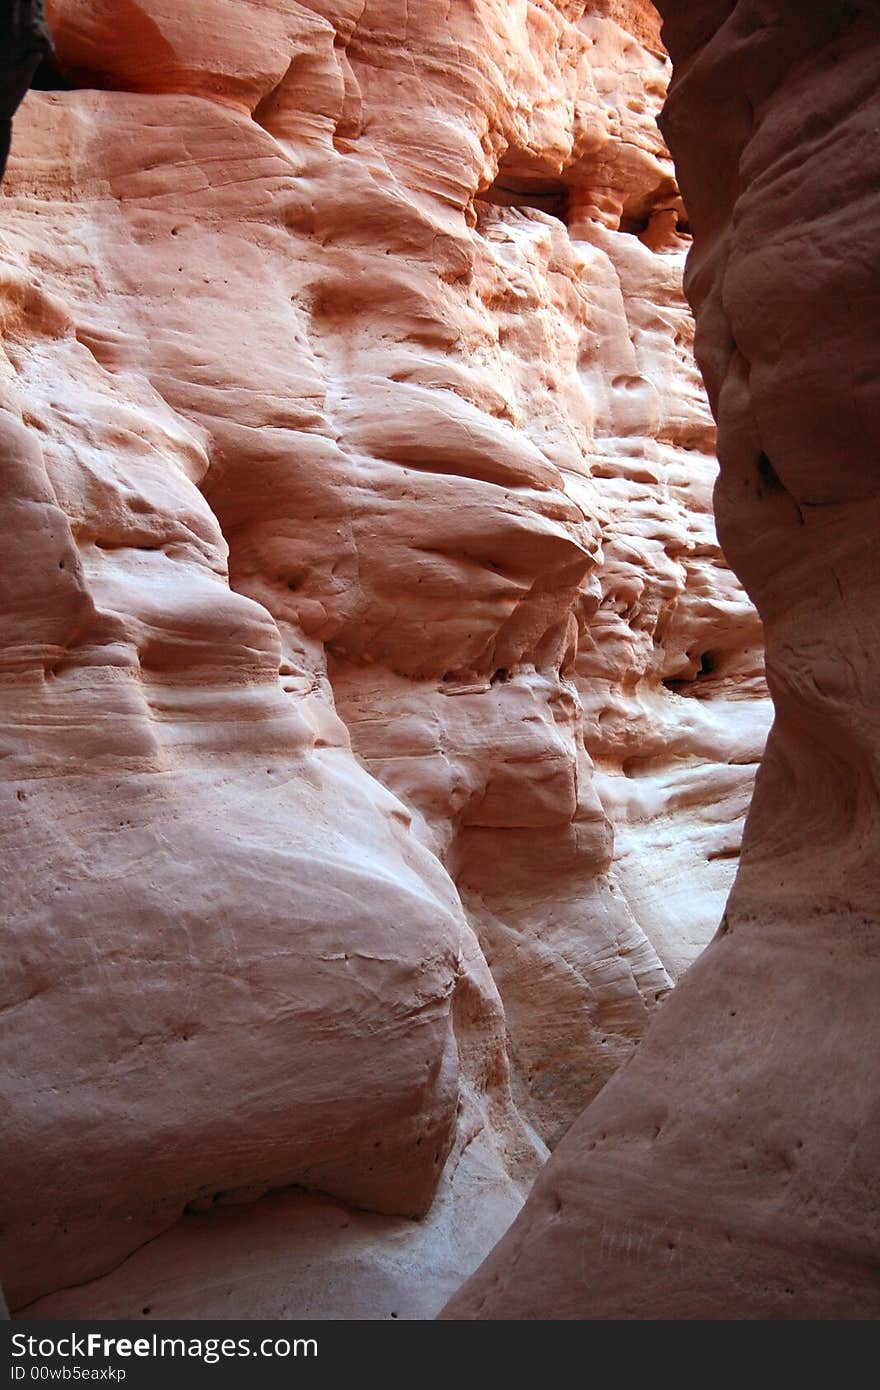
x: 381, y: 713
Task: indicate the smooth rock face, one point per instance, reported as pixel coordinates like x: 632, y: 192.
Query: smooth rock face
x: 364, y: 624
x: 730, y: 1171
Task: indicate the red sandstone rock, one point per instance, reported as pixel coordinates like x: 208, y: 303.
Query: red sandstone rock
x: 730, y: 1171
x: 349, y: 376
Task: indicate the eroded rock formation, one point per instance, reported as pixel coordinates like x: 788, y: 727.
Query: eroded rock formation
x: 380, y: 712
x: 731, y: 1169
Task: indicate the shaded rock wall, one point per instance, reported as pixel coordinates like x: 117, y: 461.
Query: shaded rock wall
x: 366, y: 622
x: 26, y: 43
x: 731, y: 1169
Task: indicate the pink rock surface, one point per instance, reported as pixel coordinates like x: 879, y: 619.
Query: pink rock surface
x: 730, y: 1171
x: 367, y: 624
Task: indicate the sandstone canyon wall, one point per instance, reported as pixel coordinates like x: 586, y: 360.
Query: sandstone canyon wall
x: 379, y: 711
x: 731, y: 1169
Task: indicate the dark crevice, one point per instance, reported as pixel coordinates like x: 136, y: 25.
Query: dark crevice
x: 770, y: 482
x: 686, y: 685
x: 636, y: 226
x: 767, y: 473
x: 49, y: 77
x: 24, y: 46
x: 544, y: 195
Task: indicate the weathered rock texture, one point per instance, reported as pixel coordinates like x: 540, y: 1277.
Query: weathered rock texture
x: 731, y: 1169
x: 361, y: 583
